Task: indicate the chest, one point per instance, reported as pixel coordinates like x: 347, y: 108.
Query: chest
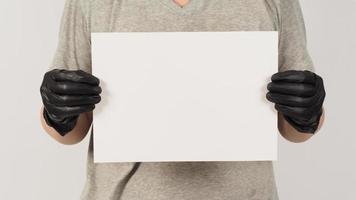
x: 167, y: 15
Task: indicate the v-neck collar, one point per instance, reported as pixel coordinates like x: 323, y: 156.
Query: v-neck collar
x: 189, y: 8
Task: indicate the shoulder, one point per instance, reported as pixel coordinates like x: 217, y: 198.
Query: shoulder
x: 284, y: 5
x: 85, y: 6
x: 78, y: 5
x: 285, y: 10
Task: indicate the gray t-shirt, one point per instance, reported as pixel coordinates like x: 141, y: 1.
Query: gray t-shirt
x: 179, y: 180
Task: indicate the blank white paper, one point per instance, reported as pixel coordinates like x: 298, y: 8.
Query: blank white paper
x: 184, y: 96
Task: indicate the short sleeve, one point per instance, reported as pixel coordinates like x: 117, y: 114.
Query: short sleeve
x: 293, y: 52
x: 74, y: 49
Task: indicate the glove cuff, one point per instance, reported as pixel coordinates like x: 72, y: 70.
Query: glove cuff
x: 62, y: 127
x: 305, y: 127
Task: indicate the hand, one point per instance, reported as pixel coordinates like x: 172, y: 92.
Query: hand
x: 299, y: 96
x: 65, y: 95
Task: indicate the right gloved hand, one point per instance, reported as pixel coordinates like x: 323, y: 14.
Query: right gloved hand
x: 65, y: 95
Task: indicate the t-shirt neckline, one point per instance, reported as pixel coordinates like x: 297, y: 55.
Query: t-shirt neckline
x: 189, y: 8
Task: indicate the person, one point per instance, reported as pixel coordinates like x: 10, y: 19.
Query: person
x: 70, y: 92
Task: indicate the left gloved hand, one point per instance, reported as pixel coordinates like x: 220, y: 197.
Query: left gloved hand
x: 299, y: 96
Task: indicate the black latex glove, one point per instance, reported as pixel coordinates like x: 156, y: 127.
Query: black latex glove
x: 65, y: 95
x: 299, y: 96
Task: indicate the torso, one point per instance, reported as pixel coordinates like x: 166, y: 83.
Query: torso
x: 185, y: 180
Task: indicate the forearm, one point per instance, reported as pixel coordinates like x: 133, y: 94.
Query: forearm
x: 291, y: 134
x: 73, y: 137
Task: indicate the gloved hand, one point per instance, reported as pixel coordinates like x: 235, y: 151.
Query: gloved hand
x: 65, y: 95
x: 299, y: 96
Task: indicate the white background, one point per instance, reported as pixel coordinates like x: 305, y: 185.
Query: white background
x: 35, y: 167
